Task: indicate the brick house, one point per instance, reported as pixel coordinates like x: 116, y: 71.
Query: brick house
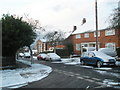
x: 43, y: 46
x: 107, y: 38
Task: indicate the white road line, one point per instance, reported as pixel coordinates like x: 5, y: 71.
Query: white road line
x: 96, y: 79
x: 86, y: 78
x: 80, y: 77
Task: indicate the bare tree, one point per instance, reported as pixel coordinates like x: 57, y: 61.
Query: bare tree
x: 115, y: 18
x: 54, y: 37
x: 35, y: 24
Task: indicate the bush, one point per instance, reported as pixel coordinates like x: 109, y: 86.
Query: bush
x: 63, y: 52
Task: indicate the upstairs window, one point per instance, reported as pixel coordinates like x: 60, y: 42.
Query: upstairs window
x: 109, y: 32
x: 86, y: 35
x: 98, y: 34
x: 78, y: 36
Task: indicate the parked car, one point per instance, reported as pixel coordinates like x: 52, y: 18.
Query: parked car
x: 42, y: 56
x: 26, y: 55
x: 53, y: 57
x: 21, y: 55
x: 97, y: 58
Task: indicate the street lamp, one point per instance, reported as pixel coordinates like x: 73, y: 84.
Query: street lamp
x: 96, y: 16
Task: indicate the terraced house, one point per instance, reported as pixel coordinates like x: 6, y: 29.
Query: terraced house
x: 107, y: 38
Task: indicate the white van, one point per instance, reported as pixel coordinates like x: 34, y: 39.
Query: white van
x: 87, y: 49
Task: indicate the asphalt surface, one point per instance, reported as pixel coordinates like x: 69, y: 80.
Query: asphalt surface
x: 75, y: 77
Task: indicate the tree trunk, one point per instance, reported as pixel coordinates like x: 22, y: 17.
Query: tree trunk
x: 31, y: 56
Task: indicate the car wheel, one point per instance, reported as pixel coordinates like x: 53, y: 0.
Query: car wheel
x: 99, y: 64
x: 82, y: 62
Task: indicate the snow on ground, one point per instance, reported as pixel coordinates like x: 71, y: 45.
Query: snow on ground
x: 35, y: 57
x: 102, y: 68
x: 86, y: 66
x: 69, y: 61
x: 20, y: 77
x: 117, y: 63
x: 108, y: 73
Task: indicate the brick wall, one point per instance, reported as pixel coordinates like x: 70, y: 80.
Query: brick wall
x: 102, y: 39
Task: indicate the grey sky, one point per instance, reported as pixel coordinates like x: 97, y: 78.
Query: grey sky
x: 61, y: 14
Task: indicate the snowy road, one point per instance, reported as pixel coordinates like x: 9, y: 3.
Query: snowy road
x: 70, y: 74
x: 63, y: 72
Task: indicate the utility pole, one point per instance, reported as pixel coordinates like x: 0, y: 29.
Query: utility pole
x: 96, y: 16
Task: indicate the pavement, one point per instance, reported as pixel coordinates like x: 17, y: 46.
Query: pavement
x: 22, y: 75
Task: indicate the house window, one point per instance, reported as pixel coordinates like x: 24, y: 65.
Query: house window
x: 78, y: 36
x: 95, y: 34
x: 86, y: 35
x: 110, y: 45
x: 77, y: 47
x: 109, y: 32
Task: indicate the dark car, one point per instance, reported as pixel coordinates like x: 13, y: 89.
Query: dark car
x: 97, y: 58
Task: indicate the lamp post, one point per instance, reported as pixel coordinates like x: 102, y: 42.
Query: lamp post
x: 96, y: 16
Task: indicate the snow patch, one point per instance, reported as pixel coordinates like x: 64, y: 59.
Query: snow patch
x: 35, y: 57
x: 86, y: 66
x: 20, y: 77
x: 71, y: 61
x: 104, y: 68
x: 109, y: 73
x: 56, y: 62
x: 111, y: 83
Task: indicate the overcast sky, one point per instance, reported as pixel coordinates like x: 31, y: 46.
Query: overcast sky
x: 61, y: 14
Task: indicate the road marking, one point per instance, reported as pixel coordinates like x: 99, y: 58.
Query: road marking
x: 86, y: 78
x: 80, y: 77
x: 96, y: 79
x: 77, y: 74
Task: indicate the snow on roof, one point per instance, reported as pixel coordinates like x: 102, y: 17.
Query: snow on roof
x: 85, y: 29
x: 43, y: 40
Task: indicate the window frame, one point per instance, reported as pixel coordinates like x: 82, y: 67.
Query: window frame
x: 86, y: 35
x: 77, y: 36
x: 110, y: 32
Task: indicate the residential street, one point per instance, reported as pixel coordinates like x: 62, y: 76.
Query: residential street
x: 78, y: 76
